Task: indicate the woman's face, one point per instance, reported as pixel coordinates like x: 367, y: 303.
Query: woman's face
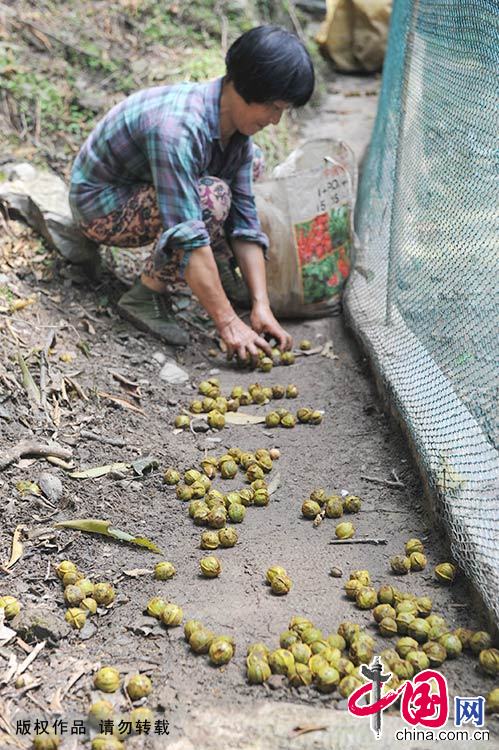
x: 251, y: 118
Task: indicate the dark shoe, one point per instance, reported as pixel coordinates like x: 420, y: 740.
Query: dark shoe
x: 233, y: 283
x: 150, y: 312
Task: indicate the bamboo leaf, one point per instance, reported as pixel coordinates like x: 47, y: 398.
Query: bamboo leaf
x: 99, y: 471
x: 16, y: 548
x: 98, y: 526
x: 275, y: 483
x: 32, y: 389
x: 234, y: 417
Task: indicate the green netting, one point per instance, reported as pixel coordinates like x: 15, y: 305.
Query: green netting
x: 424, y: 296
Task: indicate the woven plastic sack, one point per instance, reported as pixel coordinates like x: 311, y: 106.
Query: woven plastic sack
x: 354, y: 34
x: 306, y: 209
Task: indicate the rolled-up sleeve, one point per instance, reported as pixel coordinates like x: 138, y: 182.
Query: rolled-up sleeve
x: 175, y: 156
x: 243, y: 222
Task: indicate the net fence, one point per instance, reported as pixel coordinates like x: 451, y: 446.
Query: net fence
x: 424, y: 295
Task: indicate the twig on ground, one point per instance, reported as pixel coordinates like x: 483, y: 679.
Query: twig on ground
x: 385, y: 482
x: 45, y: 370
x: 358, y: 541
x: 116, y: 441
x: 32, y: 448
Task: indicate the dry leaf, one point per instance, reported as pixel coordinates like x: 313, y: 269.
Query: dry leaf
x: 121, y: 402
x: 17, y: 548
x: 137, y: 572
x: 235, y: 417
x: 32, y: 389
x: 99, y: 471
x: 306, y: 728
x: 275, y: 483
x: 327, y: 350
x: 20, y: 304
x: 98, y: 526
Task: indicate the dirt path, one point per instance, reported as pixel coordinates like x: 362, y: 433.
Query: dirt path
x: 205, y: 707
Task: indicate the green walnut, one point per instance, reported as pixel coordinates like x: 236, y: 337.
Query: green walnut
x: 281, y: 661
x: 387, y: 627
x: 360, y: 652
x: 172, y: 615
x: 182, y: 422
x: 287, y: 638
x: 400, y: 564
x: 406, y: 644
x: 106, y: 742
x: 406, y: 605
x: 348, y: 685
x: 275, y: 570
x: 209, y: 404
x: 316, y: 663
x: 198, y: 489
x: 227, y: 537
x: 210, y: 567
x: 259, y: 650
x: 303, y: 414
x: 272, y: 419
x: 209, y: 468
x: 46, y: 742
x: 301, y: 652
x: 196, y: 407
x: 345, y: 530
x: 237, y: 392
x: 366, y: 598
x: 281, y: 585
x: 163, y: 571
x: 171, y: 476
x: 191, y: 476
x: 389, y: 655
x: 382, y: 611
x: 436, y: 619
x: 220, y: 652
x: 351, y: 587
x: 217, y: 518
x: 201, y: 640
x: 336, y: 641
x: 445, y: 573
x: 418, y: 629
x: 265, y: 364
x: 76, y: 617
x: 480, y: 641
x: 299, y: 624
x: 220, y: 405
x: 436, y: 631
x: 228, y: 469
x: 138, y: 686
x: 418, y: 561
x: 247, y: 459
x: 315, y: 417
x: 200, y: 515
x: 403, y: 620
x: 184, y: 492
x: 216, y: 420
x: 86, y: 585
x: 11, y: 606
x: 278, y: 391
x: 254, y: 472
x: 318, y: 495
x: 424, y: 605
x: 204, y: 387
x: 305, y: 345
x: 247, y: 494
x: 452, y: 645
x: 190, y: 627
x: 301, y: 676
x: 261, y: 497
x: 464, y: 635
x: 233, y: 404
x: 89, y: 606
x: 209, y: 540
x: 418, y: 659
x: 403, y: 669
x: 310, y: 509
x: 236, y: 512
x: 258, y: 670
x: 66, y: 566
x: 352, y: 504
x: 288, y: 421
x: 348, y: 631
x: 71, y: 578
x: 138, y: 717
x: 414, y: 545
x: 334, y: 507
x: 361, y: 575
x: 327, y: 679
x: 155, y: 606
x: 107, y: 679
x: 100, y: 711
x: 311, y: 635
x: 435, y: 652
x: 386, y: 594
x: 292, y: 391
x: 492, y: 702
x: 265, y: 463
x: 104, y: 594
x: 287, y: 358
x: 259, y: 484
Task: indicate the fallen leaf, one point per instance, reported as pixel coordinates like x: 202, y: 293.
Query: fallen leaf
x: 32, y: 389
x: 25, y: 487
x: 98, y: 526
x: 327, y: 350
x: 20, y: 304
x: 137, y: 572
x: 143, y: 464
x: 121, y: 402
x: 99, y: 471
x: 17, y: 549
x: 306, y: 728
x: 235, y: 417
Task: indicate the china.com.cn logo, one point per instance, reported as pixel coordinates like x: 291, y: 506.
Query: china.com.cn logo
x: 424, y: 700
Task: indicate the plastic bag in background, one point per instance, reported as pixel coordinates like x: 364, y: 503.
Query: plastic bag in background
x: 306, y: 209
x: 354, y: 34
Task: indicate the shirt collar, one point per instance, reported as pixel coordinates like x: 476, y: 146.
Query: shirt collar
x: 212, y: 100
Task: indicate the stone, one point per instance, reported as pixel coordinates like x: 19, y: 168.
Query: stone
x: 51, y: 486
x: 35, y: 624
x: 172, y: 373
x: 159, y: 357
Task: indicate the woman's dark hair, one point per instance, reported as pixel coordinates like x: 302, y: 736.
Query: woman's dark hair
x: 268, y: 64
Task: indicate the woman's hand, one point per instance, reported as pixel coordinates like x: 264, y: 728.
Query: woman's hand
x: 263, y: 321
x: 242, y: 340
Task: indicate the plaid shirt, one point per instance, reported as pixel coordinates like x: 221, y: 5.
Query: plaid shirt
x: 168, y: 136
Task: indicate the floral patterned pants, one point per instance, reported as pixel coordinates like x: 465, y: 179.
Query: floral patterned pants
x: 138, y: 222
